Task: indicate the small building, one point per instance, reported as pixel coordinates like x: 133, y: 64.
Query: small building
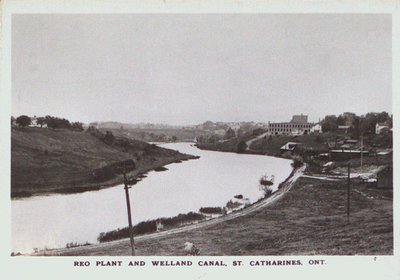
x: 381, y: 128
x: 351, y: 141
x: 316, y: 128
x: 343, y: 129
x: 349, y: 144
x: 385, y: 178
x: 289, y: 147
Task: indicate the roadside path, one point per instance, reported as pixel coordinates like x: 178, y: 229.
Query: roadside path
x: 106, y: 246
x: 248, y: 143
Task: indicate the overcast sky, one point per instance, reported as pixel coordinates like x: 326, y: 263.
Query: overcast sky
x: 189, y: 68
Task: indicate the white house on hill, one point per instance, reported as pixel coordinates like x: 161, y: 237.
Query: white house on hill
x: 316, y: 128
x: 381, y: 128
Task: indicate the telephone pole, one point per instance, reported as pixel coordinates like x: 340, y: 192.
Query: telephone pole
x: 128, y: 206
x: 361, y: 152
x: 348, y: 193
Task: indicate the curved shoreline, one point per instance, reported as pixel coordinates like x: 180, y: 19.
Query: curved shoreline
x: 284, y: 187
x: 135, y: 174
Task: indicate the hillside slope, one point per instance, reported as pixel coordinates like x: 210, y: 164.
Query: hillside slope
x: 46, y: 160
x: 310, y: 219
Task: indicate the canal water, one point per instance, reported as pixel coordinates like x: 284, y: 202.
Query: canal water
x: 52, y: 221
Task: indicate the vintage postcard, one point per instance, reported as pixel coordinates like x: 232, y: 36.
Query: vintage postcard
x: 204, y: 141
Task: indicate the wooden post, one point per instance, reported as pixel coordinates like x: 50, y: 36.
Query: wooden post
x: 128, y: 206
x: 348, y: 193
x: 361, y: 152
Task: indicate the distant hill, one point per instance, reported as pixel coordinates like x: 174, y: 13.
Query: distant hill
x: 47, y: 160
x: 114, y: 125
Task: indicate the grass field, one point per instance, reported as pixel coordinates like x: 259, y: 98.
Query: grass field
x: 309, y: 220
x: 47, y: 160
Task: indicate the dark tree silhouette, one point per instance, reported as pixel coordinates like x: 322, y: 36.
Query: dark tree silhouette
x: 242, y: 146
x: 41, y: 121
x: 23, y: 121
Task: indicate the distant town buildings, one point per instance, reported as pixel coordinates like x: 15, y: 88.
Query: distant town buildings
x: 299, y: 119
x: 297, y: 126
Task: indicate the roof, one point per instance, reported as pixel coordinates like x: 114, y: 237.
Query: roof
x: 351, y: 141
x: 289, y: 146
x: 385, y: 169
x: 383, y: 124
x: 348, y: 151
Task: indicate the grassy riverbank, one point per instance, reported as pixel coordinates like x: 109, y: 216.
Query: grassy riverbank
x: 308, y: 220
x: 48, y: 161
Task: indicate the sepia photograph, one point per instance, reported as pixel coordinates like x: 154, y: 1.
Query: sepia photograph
x: 197, y: 135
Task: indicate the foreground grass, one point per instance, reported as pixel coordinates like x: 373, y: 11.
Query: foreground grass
x: 308, y: 220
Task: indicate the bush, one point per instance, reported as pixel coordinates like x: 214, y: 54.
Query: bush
x: 109, y: 138
x: 241, y: 147
x: 149, y: 226
x: 211, y: 210
x: 297, y: 161
x: 232, y: 205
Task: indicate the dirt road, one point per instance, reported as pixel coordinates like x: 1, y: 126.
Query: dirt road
x: 107, y: 246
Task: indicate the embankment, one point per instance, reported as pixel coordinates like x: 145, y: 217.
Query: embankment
x: 65, y: 161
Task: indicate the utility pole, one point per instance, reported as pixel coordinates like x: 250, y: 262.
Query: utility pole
x: 348, y: 193
x: 128, y: 206
x: 361, y: 152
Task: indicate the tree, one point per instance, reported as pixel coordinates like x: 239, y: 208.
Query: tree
x: 265, y: 184
x: 109, y: 138
x: 77, y: 126
x: 329, y: 123
x: 240, y: 132
x: 54, y: 122
x: 383, y: 117
x: 41, y: 121
x: 297, y: 161
x: 230, y: 133
x: 242, y: 146
x: 340, y: 120
x: 23, y: 121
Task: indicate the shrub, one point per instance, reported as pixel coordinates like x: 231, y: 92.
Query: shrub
x: 241, y: 147
x: 149, y: 226
x: 233, y: 205
x: 297, y: 161
x: 211, y: 210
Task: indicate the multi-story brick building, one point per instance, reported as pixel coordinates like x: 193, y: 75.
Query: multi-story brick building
x: 298, y: 125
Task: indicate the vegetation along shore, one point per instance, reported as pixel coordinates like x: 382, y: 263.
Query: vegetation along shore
x: 69, y: 160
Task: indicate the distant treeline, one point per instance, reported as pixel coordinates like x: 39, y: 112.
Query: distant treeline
x: 150, y: 226
x: 47, y: 121
x: 358, y: 125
